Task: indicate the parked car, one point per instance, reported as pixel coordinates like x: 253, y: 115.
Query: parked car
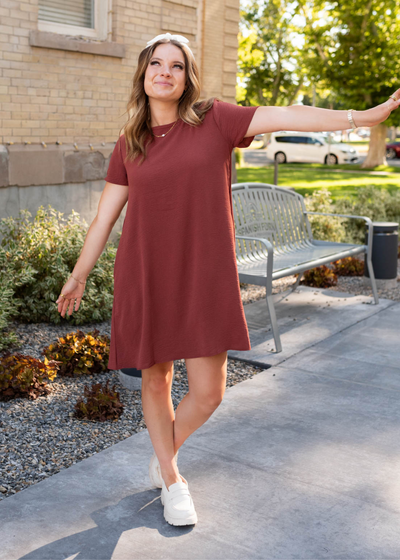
x: 309, y: 147
x: 363, y: 132
x: 393, y: 150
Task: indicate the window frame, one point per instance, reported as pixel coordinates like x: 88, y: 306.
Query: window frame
x: 101, y: 29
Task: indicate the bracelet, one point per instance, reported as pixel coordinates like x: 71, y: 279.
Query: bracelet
x: 78, y: 280
x: 350, y: 118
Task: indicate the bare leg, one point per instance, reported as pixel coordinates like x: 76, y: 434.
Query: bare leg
x: 158, y: 412
x: 207, y: 383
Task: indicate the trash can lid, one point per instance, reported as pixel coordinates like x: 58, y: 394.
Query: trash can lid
x: 385, y: 227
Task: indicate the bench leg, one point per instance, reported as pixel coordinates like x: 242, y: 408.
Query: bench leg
x: 372, y: 278
x: 272, y: 316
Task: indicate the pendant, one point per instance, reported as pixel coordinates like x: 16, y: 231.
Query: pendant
x: 162, y: 134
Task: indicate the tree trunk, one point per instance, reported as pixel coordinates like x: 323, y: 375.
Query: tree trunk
x: 377, y: 147
x: 266, y: 137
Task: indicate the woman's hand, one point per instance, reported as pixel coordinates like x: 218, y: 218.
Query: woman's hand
x: 378, y: 114
x: 73, y: 291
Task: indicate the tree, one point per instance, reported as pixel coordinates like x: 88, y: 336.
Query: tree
x: 268, y: 60
x: 351, y: 47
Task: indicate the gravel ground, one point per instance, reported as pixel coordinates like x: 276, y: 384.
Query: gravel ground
x: 39, y: 438
x: 350, y: 284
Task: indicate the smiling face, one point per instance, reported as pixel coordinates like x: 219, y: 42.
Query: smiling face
x: 165, y: 75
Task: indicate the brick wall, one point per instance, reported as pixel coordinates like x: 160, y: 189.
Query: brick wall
x: 49, y: 94
x: 55, y: 88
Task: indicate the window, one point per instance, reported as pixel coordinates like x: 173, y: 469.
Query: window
x: 88, y: 18
x: 313, y: 141
x: 292, y: 139
x: 78, y: 13
x: 301, y: 140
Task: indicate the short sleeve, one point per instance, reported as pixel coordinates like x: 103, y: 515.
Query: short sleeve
x: 233, y: 122
x: 116, y: 168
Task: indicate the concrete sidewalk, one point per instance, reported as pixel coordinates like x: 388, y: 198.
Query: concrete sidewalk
x: 300, y: 462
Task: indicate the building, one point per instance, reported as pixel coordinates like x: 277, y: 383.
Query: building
x: 66, y: 71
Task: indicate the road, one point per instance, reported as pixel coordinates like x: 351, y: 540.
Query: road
x: 259, y: 158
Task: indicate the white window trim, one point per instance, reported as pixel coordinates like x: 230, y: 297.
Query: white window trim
x: 102, y: 24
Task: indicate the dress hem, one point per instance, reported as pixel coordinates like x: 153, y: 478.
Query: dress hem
x: 169, y: 359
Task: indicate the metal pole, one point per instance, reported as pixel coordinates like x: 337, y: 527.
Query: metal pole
x: 329, y: 144
x: 276, y: 173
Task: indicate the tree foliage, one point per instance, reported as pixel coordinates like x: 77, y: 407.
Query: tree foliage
x: 269, y: 66
x: 351, y: 47
x: 338, y: 54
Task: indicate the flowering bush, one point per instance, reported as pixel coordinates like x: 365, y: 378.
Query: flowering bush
x: 79, y: 353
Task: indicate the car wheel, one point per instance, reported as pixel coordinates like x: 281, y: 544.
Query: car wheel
x: 391, y: 153
x: 331, y: 159
x: 280, y: 157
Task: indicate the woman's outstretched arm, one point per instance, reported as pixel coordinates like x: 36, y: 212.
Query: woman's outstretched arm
x: 303, y: 118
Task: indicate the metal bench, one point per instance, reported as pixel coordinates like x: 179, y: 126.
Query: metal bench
x: 274, y: 240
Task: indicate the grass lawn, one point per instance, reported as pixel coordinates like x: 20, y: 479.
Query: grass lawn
x: 350, y: 166
x: 305, y: 178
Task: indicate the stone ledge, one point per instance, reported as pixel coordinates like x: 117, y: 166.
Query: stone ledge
x: 28, y: 165
x: 50, y: 40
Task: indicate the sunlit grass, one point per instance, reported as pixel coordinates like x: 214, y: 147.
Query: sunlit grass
x: 348, y: 167
x: 305, y: 178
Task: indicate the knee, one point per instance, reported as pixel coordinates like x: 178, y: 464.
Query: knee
x: 157, y: 380
x: 209, y: 401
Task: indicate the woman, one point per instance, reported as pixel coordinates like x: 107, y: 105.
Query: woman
x: 176, y: 287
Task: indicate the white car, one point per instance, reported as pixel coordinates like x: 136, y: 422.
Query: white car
x: 309, y: 147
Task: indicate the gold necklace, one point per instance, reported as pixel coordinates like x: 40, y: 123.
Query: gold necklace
x: 160, y: 135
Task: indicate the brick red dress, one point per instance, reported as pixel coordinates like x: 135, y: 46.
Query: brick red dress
x: 176, y: 285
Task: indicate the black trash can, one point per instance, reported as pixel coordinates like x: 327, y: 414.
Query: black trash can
x: 384, y: 250
x: 131, y: 378
x: 133, y: 372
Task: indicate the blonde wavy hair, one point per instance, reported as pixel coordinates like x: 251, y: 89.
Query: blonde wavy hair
x: 137, y: 129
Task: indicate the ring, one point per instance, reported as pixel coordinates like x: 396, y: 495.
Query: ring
x: 393, y: 97
x: 62, y: 295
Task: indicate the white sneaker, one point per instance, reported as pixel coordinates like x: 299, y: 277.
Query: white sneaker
x: 178, y: 504
x: 155, y: 470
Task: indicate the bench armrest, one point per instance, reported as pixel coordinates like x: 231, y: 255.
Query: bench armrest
x: 270, y: 258
x: 366, y: 220
x: 268, y: 244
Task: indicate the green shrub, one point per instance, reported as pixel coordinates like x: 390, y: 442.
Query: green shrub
x: 373, y: 202
x: 43, y: 253
x: 79, y: 353
x: 393, y: 206
x: 319, y: 277
x: 238, y: 157
x: 349, y: 266
x: 377, y: 204
x: 7, y: 337
x: 14, y: 272
x: 324, y: 228
x: 117, y: 238
x: 25, y: 376
x: 102, y: 403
